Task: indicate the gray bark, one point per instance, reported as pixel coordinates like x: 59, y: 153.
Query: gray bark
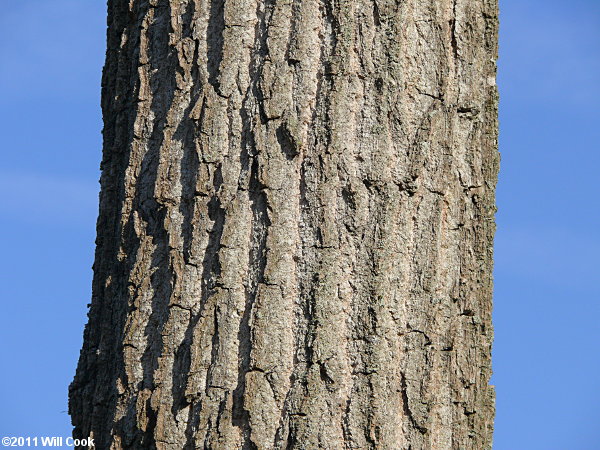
x: 296, y: 223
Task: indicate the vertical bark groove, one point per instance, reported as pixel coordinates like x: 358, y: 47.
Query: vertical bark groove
x: 296, y: 223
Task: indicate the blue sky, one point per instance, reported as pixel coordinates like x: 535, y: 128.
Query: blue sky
x: 547, y: 291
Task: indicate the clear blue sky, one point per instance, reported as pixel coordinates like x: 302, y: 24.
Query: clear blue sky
x: 547, y: 295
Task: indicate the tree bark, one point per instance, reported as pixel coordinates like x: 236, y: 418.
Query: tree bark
x: 296, y: 223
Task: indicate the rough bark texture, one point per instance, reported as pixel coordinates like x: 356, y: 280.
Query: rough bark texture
x: 296, y: 222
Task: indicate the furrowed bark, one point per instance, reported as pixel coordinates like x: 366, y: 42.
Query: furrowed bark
x: 296, y: 223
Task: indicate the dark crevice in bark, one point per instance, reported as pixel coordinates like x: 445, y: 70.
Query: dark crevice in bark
x: 214, y: 41
x: 332, y: 29
x: 250, y: 160
x: 161, y: 282
x: 407, y: 411
x: 309, y: 203
x: 189, y: 168
x: 152, y: 210
x: 453, y: 40
x: 192, y: 425
x: 239, y: 415
x: 214, y: 351
x: 284, y: 417
x: 306, y: 233
x: 126, y: 424
x: 292, y: 439
x: 292, y: 48
x: 181, y: 368
x: 346, y: 427
x: 187, y: 132
x: 264, y: 12
x: 376, y: 14
x: 211, y: 268
x: 101, y: 356
x: 257, y: 264
x: 287, y: 143
x: 324, y: 375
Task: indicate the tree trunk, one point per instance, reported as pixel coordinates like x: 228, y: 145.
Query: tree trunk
x: 296, y: 223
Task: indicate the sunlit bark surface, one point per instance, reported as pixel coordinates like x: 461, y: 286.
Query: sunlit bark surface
x: 296, y: 223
